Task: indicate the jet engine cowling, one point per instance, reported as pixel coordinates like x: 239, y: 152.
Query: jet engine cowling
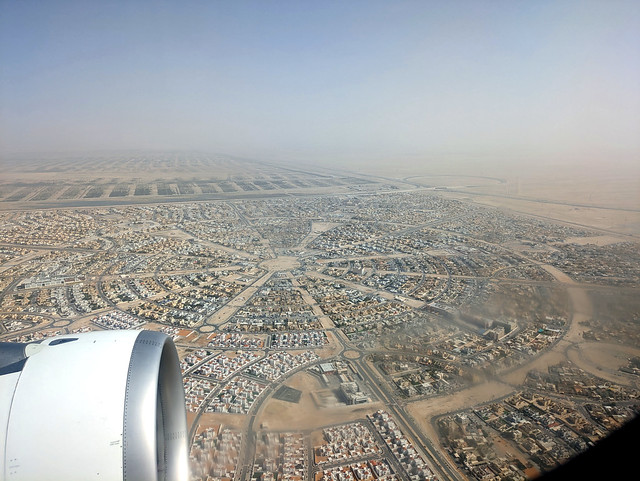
x: 99, y: 405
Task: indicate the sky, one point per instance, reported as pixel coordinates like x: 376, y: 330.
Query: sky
x: 324, y: 81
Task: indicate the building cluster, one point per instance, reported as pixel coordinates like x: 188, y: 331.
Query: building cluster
x: 618, y: 326
x: 212, y: 260
x: 45, y: 227
x: 282, y: 232
x: 9, y: 253
x: 144, y: 287
x: 196, y: 393
x: 277, y: 306
x: 340, y: 378
x: 610, y: 404
x: 412, y: 462
x: 147, y: 243
x: 237, y: 396
x: 231, y: 234
x: 118, y: 320
x: 426, y: 375
x: 408, y: 209
x: 279, y: 364
x: 499, y: 227
x: 118, y: 290
x: 214, y: 454
x: 234, y: 340
x: 354, y: 239
x: 41, y: 281
x: 172, y: 309
x: 371, y: 470
x: 280, y: 456
x: 617, y: 264
x: 611, y: 416
x: 350, y: 307
x: 298, y: 339
x: 397, y: 283
x: 226, y: 364
x: 442, y: 365
x: 85, y: 298
x: 566, y: 378
x: 15, y: 322
x: 192, y: 359
x: 469, y: 443
x: 352, y: 394
x: 202, y: 369
x: 33, y: 336
x: 202, y: 294
x: 179, y: 335
x: 542, y: 432
x: 344, y: 443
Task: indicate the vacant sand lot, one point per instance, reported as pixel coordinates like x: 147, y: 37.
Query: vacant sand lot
x: 604, y: 360
x: 306, y: 415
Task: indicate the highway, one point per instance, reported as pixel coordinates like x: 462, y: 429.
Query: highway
x: 439, y: 463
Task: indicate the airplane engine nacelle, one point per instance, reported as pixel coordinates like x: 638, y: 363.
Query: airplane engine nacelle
x: 99, y: 405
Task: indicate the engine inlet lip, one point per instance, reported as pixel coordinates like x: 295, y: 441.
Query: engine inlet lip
x: 154, y: 412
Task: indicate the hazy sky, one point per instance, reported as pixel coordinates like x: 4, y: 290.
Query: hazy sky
x: 323, y: 79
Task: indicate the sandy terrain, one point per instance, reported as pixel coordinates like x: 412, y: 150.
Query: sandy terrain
x: 603, y: 194
x: 234, y: 421
x: 603, y: 360
x: 610, y: 203
x: 609, y: 220
x: 55, y: 181
x: 424, y: 411
x: 281, y: 263
x: 306, y: 415
x: 602, y: 240
x: 603, y: 182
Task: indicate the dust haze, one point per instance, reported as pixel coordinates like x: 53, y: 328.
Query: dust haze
x: 314, y: 301
x: 391, y: 241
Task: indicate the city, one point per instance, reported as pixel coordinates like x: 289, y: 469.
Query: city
x: 365, y: 240
x: 361, y: 329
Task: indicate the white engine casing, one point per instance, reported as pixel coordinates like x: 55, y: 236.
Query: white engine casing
x: 101, y: 405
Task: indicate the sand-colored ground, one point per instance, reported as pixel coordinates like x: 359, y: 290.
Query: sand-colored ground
x: 601, y: 196
x: 609, y: 220
x: 118, y: 180
x: 604, y: 195
x: 425, y: 410
x: 234, y: 421
x: 332, y: 348
x: 610, y: 203
x: 605, y: 182
x: 280, y: 263
x: 603, y: 360
x: 541, y: 363
x: 352, y: 354
x: 306, y: 415
x: 582, y: 311
x: 602, y: 240
x: 317, y: 228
